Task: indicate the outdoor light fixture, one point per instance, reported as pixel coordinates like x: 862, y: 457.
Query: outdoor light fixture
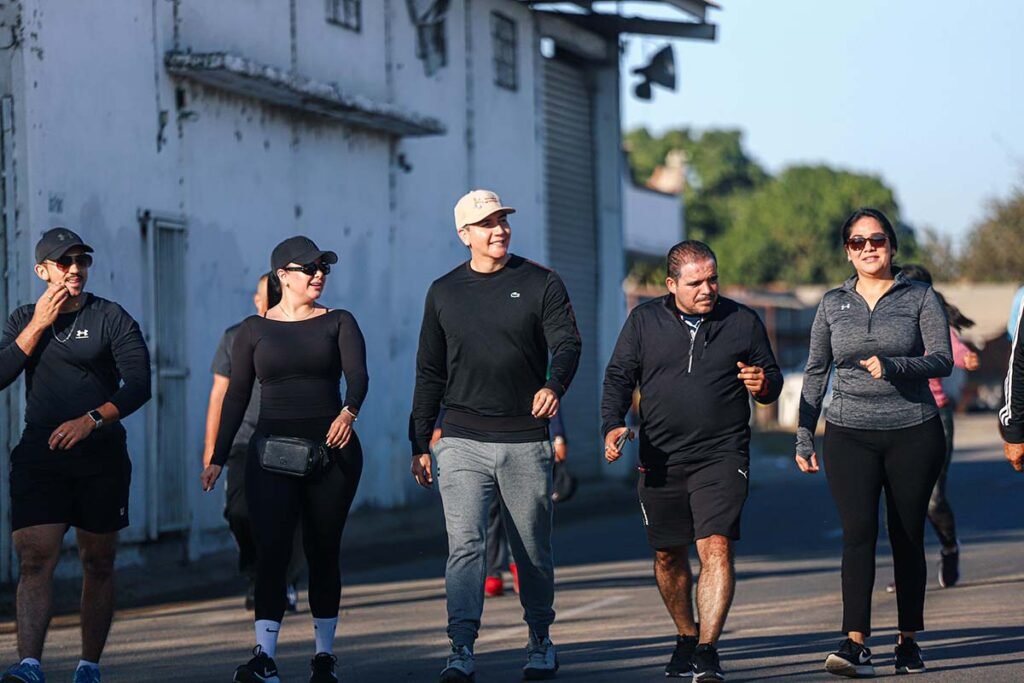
x: 661, y: 70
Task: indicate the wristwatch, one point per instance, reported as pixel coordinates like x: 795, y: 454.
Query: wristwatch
x: 97, y: 418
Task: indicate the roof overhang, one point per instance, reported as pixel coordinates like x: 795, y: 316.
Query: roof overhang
x: 613, y: 24
x: 248, y: 78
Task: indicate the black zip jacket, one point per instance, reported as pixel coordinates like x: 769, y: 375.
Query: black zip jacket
x: 1011, y: 415
x: 691, y: 403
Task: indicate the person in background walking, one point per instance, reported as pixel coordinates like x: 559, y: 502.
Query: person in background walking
x: 299, y: 351
x: 946, y: 392
x: 236, y: 512
x: 882, y: 430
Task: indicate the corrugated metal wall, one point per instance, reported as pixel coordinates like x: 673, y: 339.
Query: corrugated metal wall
x: 572, y: 239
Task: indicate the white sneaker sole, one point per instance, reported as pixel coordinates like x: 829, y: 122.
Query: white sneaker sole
x: 840, y: 667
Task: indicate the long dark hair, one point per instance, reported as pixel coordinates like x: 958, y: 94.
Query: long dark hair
x: 956, y: 318
x: 273, y: 289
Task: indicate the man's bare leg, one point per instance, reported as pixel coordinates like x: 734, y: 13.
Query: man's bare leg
x: 675, y: 582
x: 38, y: 549
x: 716, y: 586
x: 97, y: 552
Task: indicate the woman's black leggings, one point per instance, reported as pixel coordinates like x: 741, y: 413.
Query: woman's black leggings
x: 276, y: 504
x: 860, y: 464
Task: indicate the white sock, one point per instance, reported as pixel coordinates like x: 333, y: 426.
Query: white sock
x: 31, y: 661
x: 88, y: 665
x: 323, y: 631
x: 266, y: 636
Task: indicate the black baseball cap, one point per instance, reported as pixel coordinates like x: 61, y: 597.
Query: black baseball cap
x: 299, y: 249
x: 55, y: 242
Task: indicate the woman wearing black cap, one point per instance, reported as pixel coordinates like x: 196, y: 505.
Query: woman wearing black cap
x: 298, y: 351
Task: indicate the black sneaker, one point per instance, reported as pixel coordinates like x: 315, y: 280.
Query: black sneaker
x: 706, y: 666
x: 851, y: 659
x: 259, y: 669
x: 323, y: 668
x: 681, y: 664
x: 908, y: 657
x: 949, y: 568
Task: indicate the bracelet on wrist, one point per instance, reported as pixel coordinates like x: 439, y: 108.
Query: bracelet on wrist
x: 354, y: 414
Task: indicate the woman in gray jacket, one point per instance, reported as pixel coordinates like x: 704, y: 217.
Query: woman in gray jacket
x: 882, y: 430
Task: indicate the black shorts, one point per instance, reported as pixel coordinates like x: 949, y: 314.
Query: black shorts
x: 85, y: 487
x: 694, y: 499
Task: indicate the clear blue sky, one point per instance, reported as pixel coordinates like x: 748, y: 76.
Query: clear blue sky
x: 928, y: 94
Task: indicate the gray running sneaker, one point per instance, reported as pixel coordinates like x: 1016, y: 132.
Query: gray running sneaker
x: 460, y: 666
x: 541, y: 659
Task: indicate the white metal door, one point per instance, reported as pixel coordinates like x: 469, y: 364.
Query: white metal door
x: 167, y: 459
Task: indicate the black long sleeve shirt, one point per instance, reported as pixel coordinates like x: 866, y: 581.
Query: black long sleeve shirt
x: 1011, y: 415
x: 691, y: 403
x: 299, y: 366
x: 98, y: 355
x: 483, y: 352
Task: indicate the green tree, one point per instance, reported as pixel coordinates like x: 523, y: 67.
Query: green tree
x: 787, y: 230
x: 717, y: 169
x: 994, y: 250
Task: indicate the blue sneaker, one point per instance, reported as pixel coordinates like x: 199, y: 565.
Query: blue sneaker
x: 23, y: 673
x: 87, y: 674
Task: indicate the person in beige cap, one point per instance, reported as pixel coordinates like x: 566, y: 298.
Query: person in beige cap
x: 490, y: 329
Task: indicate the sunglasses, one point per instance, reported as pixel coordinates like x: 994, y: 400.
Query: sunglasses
x: 310, y: 268
x: 878, y: 240
x: 80, y: 260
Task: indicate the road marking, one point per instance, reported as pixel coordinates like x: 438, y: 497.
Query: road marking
x: 517, y: 631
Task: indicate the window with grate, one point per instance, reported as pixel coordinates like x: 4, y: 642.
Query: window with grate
x: 503, y: 33
x: 346, y: 13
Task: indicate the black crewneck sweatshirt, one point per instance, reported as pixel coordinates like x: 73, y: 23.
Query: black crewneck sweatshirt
x: 484, y: 352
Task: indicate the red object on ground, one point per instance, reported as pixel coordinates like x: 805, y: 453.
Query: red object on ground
x: 515, y: 576
x: 494, y: 586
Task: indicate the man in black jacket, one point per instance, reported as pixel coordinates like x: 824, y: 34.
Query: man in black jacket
x: 86, y: 368
x: 696, y: 359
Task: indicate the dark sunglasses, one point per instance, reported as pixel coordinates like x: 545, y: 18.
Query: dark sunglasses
x: 80, y: 260
x: 878, y: 240
x: 311, y: 268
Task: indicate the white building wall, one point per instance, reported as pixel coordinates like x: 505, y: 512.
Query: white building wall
x: 244, y: 175
x: 652, y: 220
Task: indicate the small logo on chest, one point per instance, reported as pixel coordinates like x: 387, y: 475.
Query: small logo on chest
x: 514, y: 295
x: 82, y: 334
x: 844, y: 307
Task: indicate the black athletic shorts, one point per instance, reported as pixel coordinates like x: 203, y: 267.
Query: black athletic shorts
x: 85, y: 487
x: 694, y: 499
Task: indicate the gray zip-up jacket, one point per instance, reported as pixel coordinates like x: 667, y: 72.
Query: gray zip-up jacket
x: 907, y: 320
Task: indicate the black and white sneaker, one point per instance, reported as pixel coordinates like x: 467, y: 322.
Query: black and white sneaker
x: 949, y: 567
x: 706, y: 666
x: 259, y: 669
x: 460, y: 667
x: 322, y: 668
x: 681, y: 664
x: 908, y: 657
x: 851, y: 659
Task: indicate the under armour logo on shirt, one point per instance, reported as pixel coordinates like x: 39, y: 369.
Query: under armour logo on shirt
x: 82, y: 334
x: 844, y: 307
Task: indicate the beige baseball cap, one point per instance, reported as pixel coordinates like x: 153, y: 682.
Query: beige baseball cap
x: 477, y: 205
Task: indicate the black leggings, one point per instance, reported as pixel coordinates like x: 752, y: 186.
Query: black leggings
x: 276, y: 504
x: 860, y: 464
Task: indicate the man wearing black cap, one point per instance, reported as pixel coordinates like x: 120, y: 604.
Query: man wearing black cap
x: 86, y: 366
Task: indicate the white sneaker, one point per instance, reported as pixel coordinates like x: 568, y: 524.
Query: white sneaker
x: 460, y: 666
x: 541, y: 659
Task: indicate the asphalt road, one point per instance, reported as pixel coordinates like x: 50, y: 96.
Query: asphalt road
x: 611, y: 624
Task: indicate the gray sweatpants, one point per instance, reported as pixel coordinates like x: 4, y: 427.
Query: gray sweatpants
x: 470, y: 474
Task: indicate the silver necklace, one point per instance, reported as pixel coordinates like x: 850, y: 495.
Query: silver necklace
x: 292, y: 315
x: 71, y: 332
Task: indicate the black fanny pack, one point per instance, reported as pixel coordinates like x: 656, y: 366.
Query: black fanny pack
x: 291, y: 455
